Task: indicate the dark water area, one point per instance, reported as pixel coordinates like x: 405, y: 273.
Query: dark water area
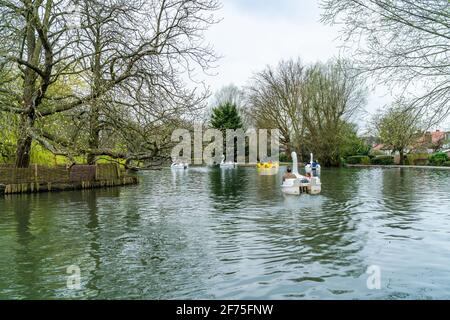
x: 231, y: 234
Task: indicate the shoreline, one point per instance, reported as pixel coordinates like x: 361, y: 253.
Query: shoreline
x: 395, y: 166
x: 36, y: 178
x: 27, y: 188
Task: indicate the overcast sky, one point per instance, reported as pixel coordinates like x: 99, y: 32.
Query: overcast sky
x: 256, y: 33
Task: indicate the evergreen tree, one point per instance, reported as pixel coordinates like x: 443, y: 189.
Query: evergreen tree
x: 226, y: 116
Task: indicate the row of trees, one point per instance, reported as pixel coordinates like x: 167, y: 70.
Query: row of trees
x: 311, y: 105
x: 399, y: 128
x: 90, y: 78
x: 86, y: 78
x: 403, y: 44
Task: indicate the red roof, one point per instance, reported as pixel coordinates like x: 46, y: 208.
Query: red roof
x: 437, y: 136
x: 379, y: 147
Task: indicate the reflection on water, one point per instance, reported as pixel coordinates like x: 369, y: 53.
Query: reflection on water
x: 215, y: 233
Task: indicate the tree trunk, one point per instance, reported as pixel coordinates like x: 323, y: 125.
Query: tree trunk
x: 94, y: 119
x: 402, y: 160
x: 23, y: 152
x: 289, y: 150
x: 29, y: 88
x: 94, y: 136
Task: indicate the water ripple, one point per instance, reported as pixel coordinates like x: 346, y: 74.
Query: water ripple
x: 207, y: 233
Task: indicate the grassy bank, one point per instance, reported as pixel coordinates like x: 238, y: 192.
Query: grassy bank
x: 396, y: 166
x: 43, y: 157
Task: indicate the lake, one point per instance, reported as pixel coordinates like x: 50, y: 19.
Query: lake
x: 209, y: 233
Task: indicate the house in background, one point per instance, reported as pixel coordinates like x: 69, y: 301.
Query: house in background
x: 432, y: 141
x: 446, y: 141
x: 438, y: 139
x: 387, y: 150
x: 382, y: 148
x: 446, y: 145
x: 428, y: 143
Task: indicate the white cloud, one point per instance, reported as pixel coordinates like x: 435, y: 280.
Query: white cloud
x: 249, y: 40
x: 254, y: 34
x: 257, y: 33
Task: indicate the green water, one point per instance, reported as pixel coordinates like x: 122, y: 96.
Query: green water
x: 231, y: 234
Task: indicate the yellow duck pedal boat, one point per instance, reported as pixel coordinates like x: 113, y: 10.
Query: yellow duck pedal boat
x: 267, y: 168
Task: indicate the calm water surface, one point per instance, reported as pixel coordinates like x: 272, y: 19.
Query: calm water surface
x: 231, y: 234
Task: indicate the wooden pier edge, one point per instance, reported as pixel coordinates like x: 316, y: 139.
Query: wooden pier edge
x: 51, y: 187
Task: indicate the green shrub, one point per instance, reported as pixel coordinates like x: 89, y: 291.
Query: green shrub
x: 7, y: 152
x: 414, y: 159
x: 365, y: 160
x: 374, y: 153
x: 383, y: 160
x: 446, y: 164
x: 438, y: 159
x: 358, y: 160
x: 284, y: 157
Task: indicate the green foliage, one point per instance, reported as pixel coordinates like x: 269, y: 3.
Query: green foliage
x: 351, y: 143
x: 398, y: 127
x: 382, y: 160
x: 351, y: 148
x: 7, y: 151
x: 413, y: 159
x: 226, y: 116
x: 330, y: 95
x: 107, y: 160
x: 7, y: 137
x: 42, y: 156
x: 284, y: 157
x: 438, y: 159
x: 337, y: 144
x: 358, y: 160
x: 374, y: 153
x: 446, y: 164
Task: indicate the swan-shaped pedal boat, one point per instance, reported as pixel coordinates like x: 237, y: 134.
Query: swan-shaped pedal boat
x: 180, y: 165
x: 227, y: 164
x: 309, y: 183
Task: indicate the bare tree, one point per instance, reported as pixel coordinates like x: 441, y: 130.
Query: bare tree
x: 331, y: 95
x: 123, y: 55
x: 398, y: 127
x: 230, y: 94
x: 34, y: 53
x: 173, y: 34
x: 405, y: 43
x: 275, y: 101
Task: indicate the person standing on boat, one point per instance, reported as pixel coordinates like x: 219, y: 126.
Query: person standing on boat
x: 289, y: 174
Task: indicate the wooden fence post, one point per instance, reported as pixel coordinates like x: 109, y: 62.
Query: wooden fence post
x: 118, y: 170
